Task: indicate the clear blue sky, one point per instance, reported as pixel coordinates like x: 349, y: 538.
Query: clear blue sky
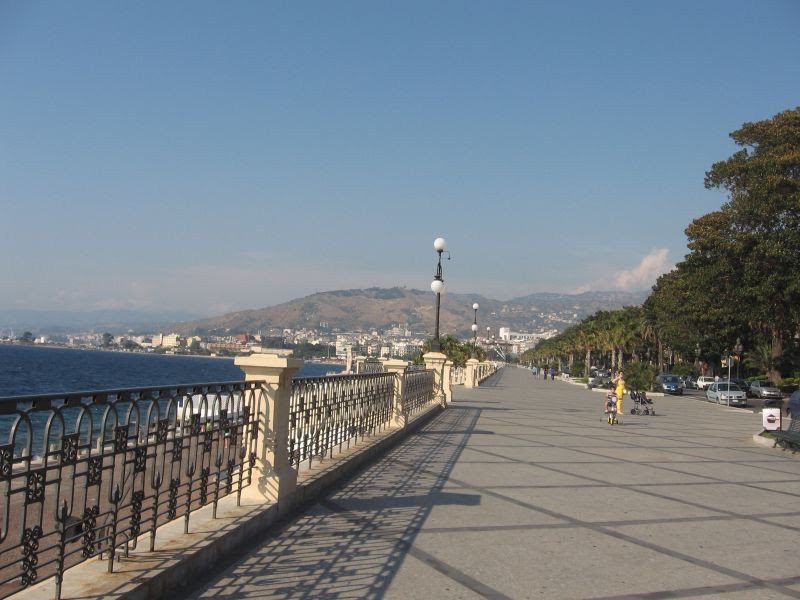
x: 213, y: 156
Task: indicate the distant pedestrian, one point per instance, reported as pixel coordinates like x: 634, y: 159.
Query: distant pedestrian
x: 533, y: 370
x: 552, y: 373
x: 544, y: 373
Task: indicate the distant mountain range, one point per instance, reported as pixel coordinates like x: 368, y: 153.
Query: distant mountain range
x: 381, y: 308
x: 56, y: 322
x: 345, y: 310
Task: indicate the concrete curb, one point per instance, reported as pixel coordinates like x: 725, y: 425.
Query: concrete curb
x: 763, y: 441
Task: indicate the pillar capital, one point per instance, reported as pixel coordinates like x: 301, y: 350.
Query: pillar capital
x: 268, y: 367
x: 394, y: 365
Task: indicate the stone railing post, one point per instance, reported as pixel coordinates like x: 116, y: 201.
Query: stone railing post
x: 446, y: 383
x: 471, y: 379
x: 275, y: 477
x: 360, y: 360
x: 434, y: 361
x: 398, y: 367
x: 349, y: 365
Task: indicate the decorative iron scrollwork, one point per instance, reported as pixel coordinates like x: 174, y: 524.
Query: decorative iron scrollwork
x: 30, y: 558
x: 69, y: 449
x: 140, y: 459
x: 34, y: 490
x: 204, y: 473
x: 173, y: 498
x: 162, y: 429
x: 94, y: 470
x: 136, y: 512
x: 6, y: 461
x: 208, y: 437
x: 224, y: 421
x: 177, y: 449
x: 120, y: 438
x: 89, y: 531
x: 229, y: 482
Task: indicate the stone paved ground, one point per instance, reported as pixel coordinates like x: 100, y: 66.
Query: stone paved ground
x: 521, y: 490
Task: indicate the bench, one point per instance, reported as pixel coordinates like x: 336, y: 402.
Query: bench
x: 790, y: 437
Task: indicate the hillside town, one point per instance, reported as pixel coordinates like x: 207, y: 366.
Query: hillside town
x: 398, y: 341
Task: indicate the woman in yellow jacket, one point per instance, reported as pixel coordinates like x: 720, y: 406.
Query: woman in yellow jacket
x: 619, y: 389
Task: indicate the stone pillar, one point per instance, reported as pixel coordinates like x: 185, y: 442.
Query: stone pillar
x: 398, y: 367
x: 447, y: 384
x: 275, y: 478
x: 435, y: 361
x: 471, y: 379
x: 360, y: 360
x: 349, y: 366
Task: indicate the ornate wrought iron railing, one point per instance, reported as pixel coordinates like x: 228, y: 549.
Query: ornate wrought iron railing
x: 84, y: 474
x: 418, y: 391
x: 327, y: 414
x: 371, y: 367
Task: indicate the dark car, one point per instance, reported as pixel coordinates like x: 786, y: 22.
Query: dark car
x: 689, y: 382
x: 598, y: 381
x: 669, y: 384
x: 744, y: 385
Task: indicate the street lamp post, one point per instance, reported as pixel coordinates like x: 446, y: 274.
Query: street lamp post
x: 739, y: 349
x: 437, y: 287
x: 475, y: 308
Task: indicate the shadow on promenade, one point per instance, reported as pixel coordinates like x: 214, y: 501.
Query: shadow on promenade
x: 352, y: 543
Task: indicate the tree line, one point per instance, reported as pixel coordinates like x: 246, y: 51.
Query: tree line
x: 736, y: 295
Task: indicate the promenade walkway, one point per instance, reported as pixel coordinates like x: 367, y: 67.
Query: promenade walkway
x: 521, y: 490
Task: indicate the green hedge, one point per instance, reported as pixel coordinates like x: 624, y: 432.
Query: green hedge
x: 640, y: 376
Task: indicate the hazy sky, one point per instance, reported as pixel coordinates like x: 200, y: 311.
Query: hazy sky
x: 213, y: 156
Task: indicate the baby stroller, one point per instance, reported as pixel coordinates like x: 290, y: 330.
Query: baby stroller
x: 642, y: 405
x: 611, y: 408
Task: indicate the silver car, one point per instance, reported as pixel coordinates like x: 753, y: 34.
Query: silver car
x: 764, y: 389
x: 726, y: 393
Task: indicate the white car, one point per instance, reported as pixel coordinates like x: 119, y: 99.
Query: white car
x: 703, y: 382
x: 724, y: 392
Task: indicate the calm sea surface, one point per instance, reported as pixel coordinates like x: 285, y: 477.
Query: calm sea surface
x: 37, y: 370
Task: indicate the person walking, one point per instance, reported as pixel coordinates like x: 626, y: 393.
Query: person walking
x: 619, y: 388
x: 552, y: 373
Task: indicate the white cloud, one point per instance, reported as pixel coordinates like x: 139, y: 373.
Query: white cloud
x: 646, y: 272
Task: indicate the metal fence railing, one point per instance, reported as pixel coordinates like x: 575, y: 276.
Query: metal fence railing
x: 87, y: 474
x: 84, y: 474
x: 418, y: 391
x: 327, y: 414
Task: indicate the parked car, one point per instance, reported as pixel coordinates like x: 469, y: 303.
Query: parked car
x: 669, y: 384
x: 741, y: 383
x: 599, y: 381
x: 725, y: 392
x: 764, y: 389
x: 704, y: 381
x: 689, y: 382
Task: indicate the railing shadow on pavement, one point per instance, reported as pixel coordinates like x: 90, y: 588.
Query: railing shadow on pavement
x: 352, y: 543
